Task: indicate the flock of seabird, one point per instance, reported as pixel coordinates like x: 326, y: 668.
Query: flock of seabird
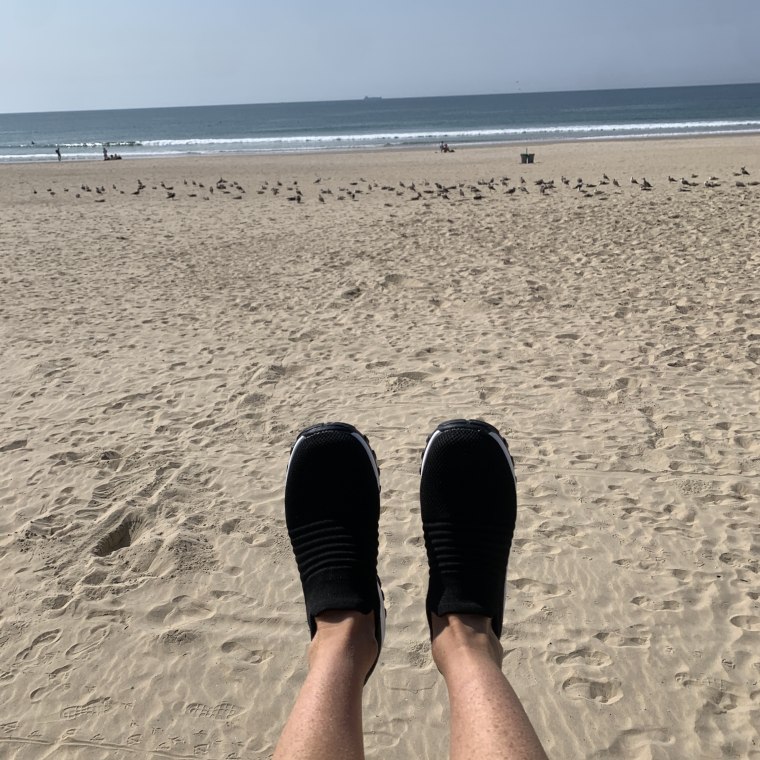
x: 411, y: 191
x: 222, y: 186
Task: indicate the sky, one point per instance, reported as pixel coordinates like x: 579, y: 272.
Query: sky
x: 59, y: 55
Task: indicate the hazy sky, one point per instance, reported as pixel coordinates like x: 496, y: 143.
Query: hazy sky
x: 82, y: 54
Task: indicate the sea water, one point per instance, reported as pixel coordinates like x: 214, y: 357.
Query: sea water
x: 380, y: 123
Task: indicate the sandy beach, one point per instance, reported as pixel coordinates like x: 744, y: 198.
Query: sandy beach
x: 162, y: 348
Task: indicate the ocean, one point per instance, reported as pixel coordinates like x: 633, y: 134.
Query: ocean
x: 380, y: 123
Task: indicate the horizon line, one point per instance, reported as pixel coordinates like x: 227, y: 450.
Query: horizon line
x: 376, y: 98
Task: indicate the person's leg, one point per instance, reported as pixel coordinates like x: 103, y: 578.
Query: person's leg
x: 326, y: 720
x: 468, y: 497
x: 332, y: 509
x: 487, y: 718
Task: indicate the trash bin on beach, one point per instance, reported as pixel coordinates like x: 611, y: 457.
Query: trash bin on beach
x: 527, y: 158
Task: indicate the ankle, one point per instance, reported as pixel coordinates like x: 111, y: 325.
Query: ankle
x: 347, y: 635
x: 461, y: 638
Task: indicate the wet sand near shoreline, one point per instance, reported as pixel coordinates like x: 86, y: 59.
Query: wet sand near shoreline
x: 163, y: 346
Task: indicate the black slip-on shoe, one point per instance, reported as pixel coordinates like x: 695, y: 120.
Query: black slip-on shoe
x: 468, y: 499
x: 332, y: 510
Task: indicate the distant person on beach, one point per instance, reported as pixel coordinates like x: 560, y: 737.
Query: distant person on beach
x: 105, y: 153
x: 58, y: 152
x: 468, y: 506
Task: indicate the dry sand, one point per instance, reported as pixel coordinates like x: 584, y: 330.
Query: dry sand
x: 159, y: 357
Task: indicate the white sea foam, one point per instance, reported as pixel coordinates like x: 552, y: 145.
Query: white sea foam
x: 347, y: 141
x: 643, y: 129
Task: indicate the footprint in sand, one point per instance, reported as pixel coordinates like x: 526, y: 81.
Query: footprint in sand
x: 604, y: 692
x: 533, y: 547
x: 94, y: 578
x: 746, y: 622
x: 91, y: 639
x: 239, y: 652
x: 584, y: 656
x: 542, y: 491
x: 180, y: 637
x: 538, y: 588
x: 48, y: 637
x: 13, y: 445
x: 229, y: 526
x: 223, y: 711
x: 55, y: 602
x: 59, y: 672
x: 404, y: 380
x: 654, y: 605
x: 110, y: 458
x: 640, y: 638
x: 179, y: 609
x: 37, y: 694
x: 636, y: 744
x: 646, y: 516
x: 562, y: 531
x: 740, y: 561
x: 418, y: 655
x: 693, y: 578
x: 718, y: 698
x: 97, y: 706
x: 123, y: 535
x: 643, y: 565
x: 674, y: 530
